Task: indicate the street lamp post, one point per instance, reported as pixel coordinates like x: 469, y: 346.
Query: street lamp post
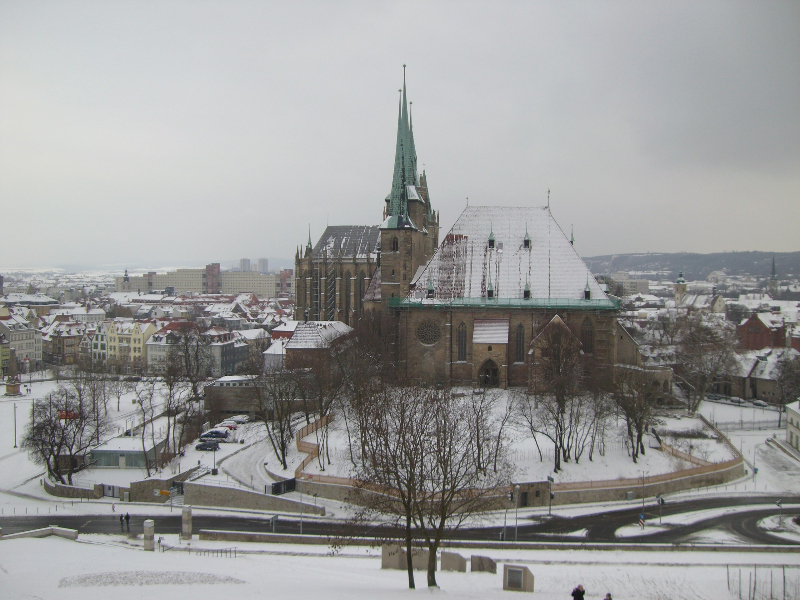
x: 550, y: 481
x: 779, y: 504
x: 643, y: 474
x: 15, y: 425
x: 516, y: 513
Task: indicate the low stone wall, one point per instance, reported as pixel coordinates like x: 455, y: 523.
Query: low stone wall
x: 70, y: 534
x: 288, y: 538
x: 669, y: 486
x: 197, y: 494
x: 263, y: 538
x: 69, y: 491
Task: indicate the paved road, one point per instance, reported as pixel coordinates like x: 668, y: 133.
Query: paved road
x: 600, y: 527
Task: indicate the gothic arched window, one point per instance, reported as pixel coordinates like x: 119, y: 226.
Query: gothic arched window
x: 395, y: 244
x: 360, y: 290
x: 519, y: 355
x: 587, y: 336
x: 462, y: 342
x: 347, y: 297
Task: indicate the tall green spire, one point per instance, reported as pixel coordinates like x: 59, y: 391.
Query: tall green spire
x: 405, y: 165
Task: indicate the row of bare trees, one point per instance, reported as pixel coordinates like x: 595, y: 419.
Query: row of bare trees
x: 75, y: 417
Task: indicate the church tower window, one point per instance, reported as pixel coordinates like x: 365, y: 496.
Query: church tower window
x: 462, y: 342
x: 395, y: 244
x: 519, y: 354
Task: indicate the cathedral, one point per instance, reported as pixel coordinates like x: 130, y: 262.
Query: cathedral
x: 467, y: 311
x: 353, y: 268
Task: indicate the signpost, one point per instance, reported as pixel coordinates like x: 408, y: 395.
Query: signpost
x: 550, y: 482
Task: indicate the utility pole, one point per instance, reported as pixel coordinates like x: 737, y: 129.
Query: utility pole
x: 15, y: 425
x: 516, y: 513
x: 550, y: 481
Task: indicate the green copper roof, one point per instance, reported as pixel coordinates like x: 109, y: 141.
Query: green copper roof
x: 509, y: 303
x: 405, y: 166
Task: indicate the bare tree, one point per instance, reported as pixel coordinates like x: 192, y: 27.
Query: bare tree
x: 418, y: 463
x: 633, y: 395
x: 275, y: 403
x: 556, y: 381
x: 453, y: 485
x: 147, y: 401
x: 705, y: 354
x: 788, y: 379
x: 118, y: 387
x: 175, y: 393
x: 191, y: 349
x: 62, y: 430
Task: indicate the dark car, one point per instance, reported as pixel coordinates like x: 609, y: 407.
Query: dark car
x: 207, y: 446
x: 216, y: 433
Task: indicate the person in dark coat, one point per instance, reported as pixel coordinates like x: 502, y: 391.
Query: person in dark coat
x: 128, y: 524
x: 608, y: 596
x: 578, y: 593
x: 121, y: 523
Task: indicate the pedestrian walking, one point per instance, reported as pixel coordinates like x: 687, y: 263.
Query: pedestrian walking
x: 128, y: 521
x: 113, y: 507
x: 121, y: 523
x: 608, y: 596
x: 578, y: 593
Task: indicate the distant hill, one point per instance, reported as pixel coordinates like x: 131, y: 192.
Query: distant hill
x: 698, y: 266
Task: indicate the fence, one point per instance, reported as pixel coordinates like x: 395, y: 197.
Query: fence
x: 764, y: 582
x: 219, y: 553
x: 309, y: 448
x: 742, y: 425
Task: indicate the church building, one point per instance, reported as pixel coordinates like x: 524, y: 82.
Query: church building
x: 469, y: 310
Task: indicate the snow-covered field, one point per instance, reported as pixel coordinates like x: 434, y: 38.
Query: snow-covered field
x: 58, y: 568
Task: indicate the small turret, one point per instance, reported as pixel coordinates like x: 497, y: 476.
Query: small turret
x: 491, y: 236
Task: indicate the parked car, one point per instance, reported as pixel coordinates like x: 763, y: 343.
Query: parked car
x: 760, y: 403
x: 228, y: 425
x: 207, y: 446
x: 736, y: 400
x: 240, y: 419
x: 217, y: 434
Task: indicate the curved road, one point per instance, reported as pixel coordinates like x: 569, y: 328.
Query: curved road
x: 600, y: 527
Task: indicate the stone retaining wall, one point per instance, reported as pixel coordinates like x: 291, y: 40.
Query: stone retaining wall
x: 69, y: 491
x: 197, y: 494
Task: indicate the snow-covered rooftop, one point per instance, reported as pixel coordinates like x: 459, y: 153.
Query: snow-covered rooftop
x: 317, y: 334
x: 464, y: 265
x: 349, y: 240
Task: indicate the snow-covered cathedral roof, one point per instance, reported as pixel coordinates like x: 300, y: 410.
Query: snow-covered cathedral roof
x: 466, y: 266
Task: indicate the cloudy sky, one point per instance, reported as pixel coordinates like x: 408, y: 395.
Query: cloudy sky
x: 170, y: 133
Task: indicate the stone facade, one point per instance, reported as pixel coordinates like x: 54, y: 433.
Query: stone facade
x: 438, y: 344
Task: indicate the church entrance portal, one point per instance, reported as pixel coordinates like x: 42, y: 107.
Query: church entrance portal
x: 489, y: 375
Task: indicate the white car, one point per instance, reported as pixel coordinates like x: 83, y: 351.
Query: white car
x: 760, y: 403
x: 240, y: 419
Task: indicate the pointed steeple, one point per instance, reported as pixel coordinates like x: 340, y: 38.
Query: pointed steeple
x: 405, y: 166
x: 774, y: 271
x: 571, y: 235
x: 309, y: 247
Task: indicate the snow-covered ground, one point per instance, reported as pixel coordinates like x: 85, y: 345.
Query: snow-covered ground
x: 89, y: 569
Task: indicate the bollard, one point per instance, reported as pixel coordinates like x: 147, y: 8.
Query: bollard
x: 149, y: 535
x: 186, y: 523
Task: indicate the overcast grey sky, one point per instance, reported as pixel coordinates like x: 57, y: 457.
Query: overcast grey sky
x: 169, y: 133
